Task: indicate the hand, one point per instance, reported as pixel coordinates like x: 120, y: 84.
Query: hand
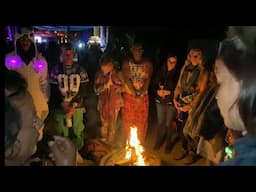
x: 65, y: 106
x: 70, y: 112
x: 166, y: 92
x: 138, y: 85
x: 185, y: 108
x: 108, y: 84
x: 139, y: 92
x: 176, y: 104
x: 160, y: 92
x: 63, y: 151
x: 232, y: 136
x: 71, y: 109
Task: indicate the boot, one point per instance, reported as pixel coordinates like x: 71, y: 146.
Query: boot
x: 169, y: 146
x: 191, y: 158
x: 158, y: 144
x: 181, y: 155
x: 159, y: 140
x: 171, y: 143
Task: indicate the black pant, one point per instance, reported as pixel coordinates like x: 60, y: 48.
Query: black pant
x: 182, y: 118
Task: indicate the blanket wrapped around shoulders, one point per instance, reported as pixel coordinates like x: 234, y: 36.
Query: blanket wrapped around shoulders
x: 204, y: 119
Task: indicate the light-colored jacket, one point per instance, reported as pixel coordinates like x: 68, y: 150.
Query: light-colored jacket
x: 37, y: 81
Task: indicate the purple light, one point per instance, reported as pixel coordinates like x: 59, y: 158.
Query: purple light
x: 9, y: 33
x: 39, y: 65
x: 13, y: 62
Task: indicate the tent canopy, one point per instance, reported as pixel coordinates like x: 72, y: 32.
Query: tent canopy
x: 64, y: 28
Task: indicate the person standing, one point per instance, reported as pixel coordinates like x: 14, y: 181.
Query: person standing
x: 137, y: 72
x: 166, y: 113
x: 68, y: 90
x: 26, y: 60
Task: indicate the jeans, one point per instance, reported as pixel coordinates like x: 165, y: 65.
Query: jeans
x: 165, y: 117
x: 165, y: 114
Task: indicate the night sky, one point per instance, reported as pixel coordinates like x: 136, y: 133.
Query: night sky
x: 157, y: 35
x: 178, y: 38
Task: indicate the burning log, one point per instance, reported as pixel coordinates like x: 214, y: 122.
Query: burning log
x: 132, y: 155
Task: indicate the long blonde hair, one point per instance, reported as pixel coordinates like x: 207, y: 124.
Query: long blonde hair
x: 188, y: 59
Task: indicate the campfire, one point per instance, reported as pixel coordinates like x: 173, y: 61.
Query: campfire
x: 133, y: 154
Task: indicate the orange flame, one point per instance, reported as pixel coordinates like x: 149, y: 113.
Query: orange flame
x: 134, y: 149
